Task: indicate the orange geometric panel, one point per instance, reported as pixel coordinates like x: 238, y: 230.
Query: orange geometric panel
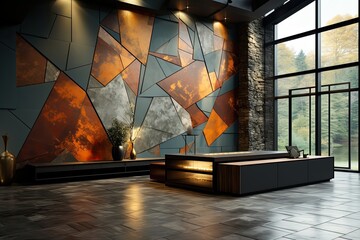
x: 197, y: 116
x: 228, y: 66
x: 220, y: 30
x: 66, y: 124
x: 185, y: 57
x: 112, y: 22
x: 107, y: 63
x: 226, y: 107
x: 30, y: 64
x: 89, y: 141
x: 131, y: 75
x: 214, y: 81
x: 135, y: 32
x: 188, y: 85
x: 218, y: 43
x: 214, y: 128
x: 172, y: 59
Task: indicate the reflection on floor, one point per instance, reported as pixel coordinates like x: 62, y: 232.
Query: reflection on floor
x: 137, y: 208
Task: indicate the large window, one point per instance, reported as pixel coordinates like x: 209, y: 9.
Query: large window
x: 315, y: 57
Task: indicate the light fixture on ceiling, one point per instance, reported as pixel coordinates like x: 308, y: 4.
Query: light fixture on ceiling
x: 219, y: 10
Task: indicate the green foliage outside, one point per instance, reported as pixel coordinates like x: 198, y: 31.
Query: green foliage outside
x: 338, y: 46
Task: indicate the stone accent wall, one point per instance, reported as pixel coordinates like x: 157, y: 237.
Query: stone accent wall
x: 251, y: 98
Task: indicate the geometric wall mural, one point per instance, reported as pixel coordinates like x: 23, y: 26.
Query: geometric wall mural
x: 164, y: 75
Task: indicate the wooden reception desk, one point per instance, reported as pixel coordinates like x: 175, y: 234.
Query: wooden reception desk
x: 245, y: 172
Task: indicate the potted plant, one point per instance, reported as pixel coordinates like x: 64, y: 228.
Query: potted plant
x: 118, y: 134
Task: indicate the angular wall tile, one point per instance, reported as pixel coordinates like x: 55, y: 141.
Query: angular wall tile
x: 85, y: 19
x: 28, y: 106
x: 30, y: 64
x: 153, y: 74
x: 63, y: 116
x: 80, y: 75
x: 131, y: 75
x: 197, y: 116
x: 154, y: 91
x: 188, y: 85
x: 111, y: 102
x: 214, y: 128
x: 225, y: 106
x: 39, y: 21
x: 183, y: 115
x: 135, y: 32
x: 167, y: 67
x: 61, y: 29
x: 141, y: 109
x: 52, y: 72
x: 163, y: 32
x: 54, y: 50
x: 62, y: 7
x: 80, y: 55
x: 111, y: 21
x: 172, y: 59
x: 206, y: 37
x: 228, y: 66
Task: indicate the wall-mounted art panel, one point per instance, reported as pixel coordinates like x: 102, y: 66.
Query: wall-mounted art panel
x: 30, y: 64
x: 79, y: 55
x: 206, y: 37
x: 54, y: 50
x: 198, y: 117
x: 80, y: 75
x: 164, y: 32
x: 184, y: 35
x: 153, y: 73
x: 131, y: 75
x: 39, y: 21
x: 135, y: 32
x: 52, y: 72
x: 172, y: 59
x: 167, y: 67
x: 228, y: 66
x: 112, y: 102
x: 85, y: 22
x: 61, y: 29
x: 188, y: 85
x: 30, y: 100
x: 111, y: 21
x: 214, y: 128
x: 226, y: 107
x: 62, y: 7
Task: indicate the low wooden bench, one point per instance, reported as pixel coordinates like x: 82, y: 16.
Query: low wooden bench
x: 248, y: 177
x: 157, y: 171
x: 40, y: 172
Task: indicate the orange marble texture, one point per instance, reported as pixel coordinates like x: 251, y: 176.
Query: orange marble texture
x: 197, y: 116
x: 214, y: 128
x: 131, y: 75
x: 30, y: 64
x: 135, y: 31
x: 188, y: 85
x: 71, y: 125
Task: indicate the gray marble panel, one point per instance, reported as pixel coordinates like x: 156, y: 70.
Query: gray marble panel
x: 153, y: 73
x: 206, y: 37
x: 51, y: 73
x: 161, y: 123
x: 163, y: 32
x: 54, y: 50
x: 168, y: 67
x: 30, y: 100
x: 61, y: 29
x: 183, y: 115
x: 111, y: 102
x: 80, y: 75
x: 131, y: 95
x: 15, y: 130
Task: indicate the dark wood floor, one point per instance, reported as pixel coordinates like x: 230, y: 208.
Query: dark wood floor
x: 137, y: 208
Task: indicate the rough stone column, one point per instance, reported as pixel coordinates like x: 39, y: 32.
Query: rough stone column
x: 251, y: 97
